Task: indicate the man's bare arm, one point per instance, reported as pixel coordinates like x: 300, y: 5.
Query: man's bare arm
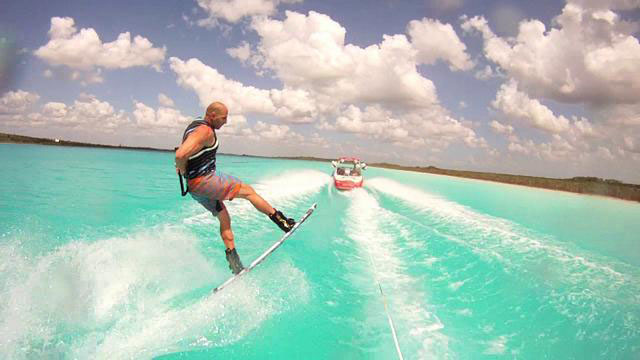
x: 198, y: 139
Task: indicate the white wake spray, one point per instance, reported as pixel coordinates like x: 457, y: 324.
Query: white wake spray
x: 375, y: 230
x: 113, y: 298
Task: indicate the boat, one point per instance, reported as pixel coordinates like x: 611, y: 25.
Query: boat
x: 347, y: 173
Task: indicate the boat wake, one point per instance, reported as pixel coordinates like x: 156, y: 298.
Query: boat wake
x: 375, y: 231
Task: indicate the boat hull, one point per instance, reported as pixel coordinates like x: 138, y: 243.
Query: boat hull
x: 347, y: 184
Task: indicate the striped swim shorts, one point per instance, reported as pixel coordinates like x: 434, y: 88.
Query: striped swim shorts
x: 211, y: 189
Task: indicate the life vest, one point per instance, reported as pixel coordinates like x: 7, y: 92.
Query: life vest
x: 204, y: 161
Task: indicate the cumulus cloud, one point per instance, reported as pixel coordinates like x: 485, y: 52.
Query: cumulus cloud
x: 15, y: 102
x: 211, y: 85
x: 238, y: 126
x: 582, y: 143
x: 165, y: 101
x: 233, y: 11
x: 86, y: 111
x: 501, y: 128
x: 242, y: 52
x: 309, y: 52
x: 84, y: 52
x: 485, y: 74
x: 517, y: 104
x: 89, y: 110
x: 410, y: 129
x: 161, y: 120
x: 437, y: 41
x: 589, y: 56
x: 330, y: 82
x: 374, y: 121
x: 276, y: 132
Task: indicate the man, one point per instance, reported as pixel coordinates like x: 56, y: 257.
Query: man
x: 196, y: 160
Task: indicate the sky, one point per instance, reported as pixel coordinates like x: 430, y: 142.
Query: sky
x: 541, y: 88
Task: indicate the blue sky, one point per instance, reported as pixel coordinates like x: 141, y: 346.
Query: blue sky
x: 545, y: 88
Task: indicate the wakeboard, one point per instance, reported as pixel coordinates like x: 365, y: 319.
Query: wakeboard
x: 269, y: 251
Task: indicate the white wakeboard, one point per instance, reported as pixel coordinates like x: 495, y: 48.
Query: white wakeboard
x: 268, y: 251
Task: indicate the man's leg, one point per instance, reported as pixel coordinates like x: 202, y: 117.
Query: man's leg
x: 247, y: 192
x: 225, y: 229
x: 227, y: 237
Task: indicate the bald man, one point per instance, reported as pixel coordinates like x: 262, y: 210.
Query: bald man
x: 196, y: 161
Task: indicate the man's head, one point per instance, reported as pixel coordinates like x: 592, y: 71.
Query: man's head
x: 216, y: 114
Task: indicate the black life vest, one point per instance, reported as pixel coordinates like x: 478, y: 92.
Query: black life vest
x: 204, y: 161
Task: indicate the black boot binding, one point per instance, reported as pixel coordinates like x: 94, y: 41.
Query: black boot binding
x: 234, y: 261
x: 283, y: 222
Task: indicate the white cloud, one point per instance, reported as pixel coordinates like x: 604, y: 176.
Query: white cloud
x: 501, y: 128
x: 210, y: 86
x: 238, y: 126
x: 86, y: 112
x: 374, y: 121
x: 159, y: 120
x: 485, y: 74
x: 83, y: 50
x: 591, y: 56
x: 437, y: 41
x: 522, y: 149
x: 234, y: 10
x: 55, y: 110
x: 324, y: 79
x: 165, y: 101
x: 275, y: 132
x: 556, y: 150
x: 242, y: 52
x: 309, y: 52
x: 15, y: 102
x: 412, y: 129
x: 517, y: 104
x: 294, y: 105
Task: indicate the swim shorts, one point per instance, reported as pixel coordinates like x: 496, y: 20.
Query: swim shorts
x: 211, y: 189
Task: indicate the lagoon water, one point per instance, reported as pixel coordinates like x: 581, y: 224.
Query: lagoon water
x: 101, y: 258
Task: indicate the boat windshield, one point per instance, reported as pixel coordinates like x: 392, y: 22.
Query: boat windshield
x: 348, y: 170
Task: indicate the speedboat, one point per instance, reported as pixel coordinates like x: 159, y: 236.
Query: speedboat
x: 347, y: 173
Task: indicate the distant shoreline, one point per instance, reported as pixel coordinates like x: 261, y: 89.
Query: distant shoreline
x: 580, y: 185
x: 22, y: 139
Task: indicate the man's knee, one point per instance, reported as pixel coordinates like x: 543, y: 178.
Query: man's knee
x: 246, y: 190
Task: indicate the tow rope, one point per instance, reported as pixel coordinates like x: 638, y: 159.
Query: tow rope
x: 386, y: 308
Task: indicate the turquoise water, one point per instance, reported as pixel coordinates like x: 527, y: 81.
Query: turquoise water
x: 100, y: 257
